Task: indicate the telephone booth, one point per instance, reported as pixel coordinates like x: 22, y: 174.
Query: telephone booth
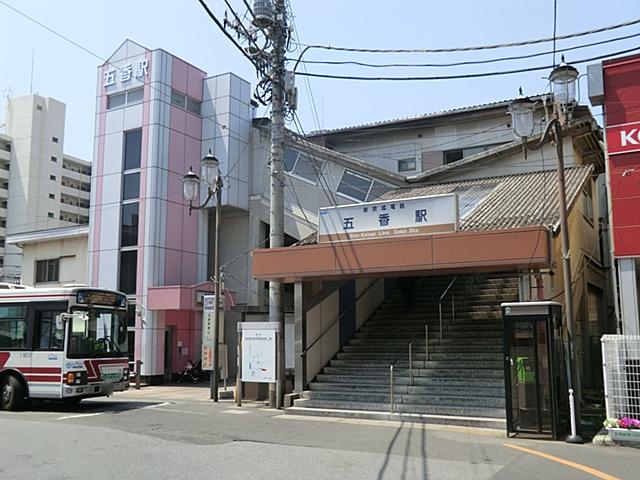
x: 534, y: 368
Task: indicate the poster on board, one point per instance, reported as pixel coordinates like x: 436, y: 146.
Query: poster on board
x: 258, y: 351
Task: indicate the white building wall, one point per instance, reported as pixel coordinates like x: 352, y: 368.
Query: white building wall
x: 71, y: 253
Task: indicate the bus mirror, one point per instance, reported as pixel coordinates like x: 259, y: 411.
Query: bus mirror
x: 59, y: 322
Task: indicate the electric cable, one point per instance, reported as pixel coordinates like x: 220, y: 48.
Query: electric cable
x: 477, y: 47
x: 467, y: 62
x: 465, y: 75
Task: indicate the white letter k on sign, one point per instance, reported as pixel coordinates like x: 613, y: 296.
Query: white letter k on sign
x: 626, y: 138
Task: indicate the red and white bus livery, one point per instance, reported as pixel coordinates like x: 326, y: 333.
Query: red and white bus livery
x: 61, y: 343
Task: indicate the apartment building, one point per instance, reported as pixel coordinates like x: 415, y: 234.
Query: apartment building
x: 41, y: 187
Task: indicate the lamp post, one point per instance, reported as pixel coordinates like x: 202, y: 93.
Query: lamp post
x: 563, y: 85
x: 190, y: 188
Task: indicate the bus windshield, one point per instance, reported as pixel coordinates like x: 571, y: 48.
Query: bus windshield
x: 95, y: 332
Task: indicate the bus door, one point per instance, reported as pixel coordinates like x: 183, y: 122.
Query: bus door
x: 45, y: 379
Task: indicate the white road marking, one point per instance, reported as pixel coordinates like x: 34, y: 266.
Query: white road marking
x: 235, y: 412
x: 81, y: 415
x: 156, y: 405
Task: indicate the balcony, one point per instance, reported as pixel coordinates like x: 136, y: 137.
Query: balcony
x: 73, y: 191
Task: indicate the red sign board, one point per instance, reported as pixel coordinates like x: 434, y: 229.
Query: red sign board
x: 622, y: 122
x: 623, y: 138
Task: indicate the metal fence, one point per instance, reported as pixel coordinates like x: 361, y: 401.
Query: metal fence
x: 621, y: 371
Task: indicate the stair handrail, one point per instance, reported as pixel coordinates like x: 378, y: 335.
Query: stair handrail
x: 444, y: 294
x: 306, y: 350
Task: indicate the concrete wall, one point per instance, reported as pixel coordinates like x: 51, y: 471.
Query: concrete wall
x: 319, y: 319
x: 71, y: 252
x: 369, y: 299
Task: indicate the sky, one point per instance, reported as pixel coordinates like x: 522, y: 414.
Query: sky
x: 68, y: 73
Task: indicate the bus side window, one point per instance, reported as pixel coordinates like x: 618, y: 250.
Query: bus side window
x: 49, y: 337
x: 13, y: 327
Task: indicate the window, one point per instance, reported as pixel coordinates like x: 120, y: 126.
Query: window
x: 2, y: 246
x: 4, y: 185
x: 3, y: 204
x: 587, y: 202
x: 407, y: 165
x: 132, y: 149
x: 129, y: 225
x: 116, y: 100
x: 3, y: 223
x: 13, y: 328
x: 177, y: 99
x: 135, y: 96
x: 52, y: 196
x: 131, y: 186
x: 361, y: 187
x: 39, y: 108
x: 2, y: 258
x: 52, y: 177
x: 354, y: 186
x: 49, y: 336
x: 128, y: 271
x: 54, y: 139
x: 54, y: 159
x: 47, y: 270
x: 453, y: 156
x: 302, y: 165
x: 193, y: 106
x: 50, y: 214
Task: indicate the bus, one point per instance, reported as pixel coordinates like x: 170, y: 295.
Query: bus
x: 61, y: 343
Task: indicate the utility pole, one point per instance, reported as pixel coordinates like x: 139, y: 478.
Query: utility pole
x: 278, y: 33
x: 267, y: 38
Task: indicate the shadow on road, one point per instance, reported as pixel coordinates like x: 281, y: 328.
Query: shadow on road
x: 88, y: 406
x: 407, y: 451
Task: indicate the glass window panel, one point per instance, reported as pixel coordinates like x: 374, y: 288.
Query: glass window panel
x: 290, y: 157
x: 116, y: 100
x: 128, y: 271
x: 308, y: 168
x: 129, y: 227
x: 193, y: 106
x: 354, y: 186
x: 132, y: 149
x: 407, y: 165
x: 135, y: 96
x: 49, y: 337
x: 177, y: 99
x: 131, y: 186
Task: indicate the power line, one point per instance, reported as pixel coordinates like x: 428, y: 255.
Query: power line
x: 227, y: 34
x: 468, y: 62
x: 466, y: 75
x: 471, y: 48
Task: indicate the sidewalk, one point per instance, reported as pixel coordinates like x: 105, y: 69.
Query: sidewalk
x: 177, y: 392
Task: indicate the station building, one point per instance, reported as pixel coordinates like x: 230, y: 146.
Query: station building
x: 157, y: 115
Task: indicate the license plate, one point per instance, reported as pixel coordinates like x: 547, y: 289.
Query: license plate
x: 111, y: 374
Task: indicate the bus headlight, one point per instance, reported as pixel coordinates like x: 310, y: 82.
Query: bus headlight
x: 76, y: 378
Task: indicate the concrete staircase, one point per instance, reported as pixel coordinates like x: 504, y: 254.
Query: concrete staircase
x: 462, y: 381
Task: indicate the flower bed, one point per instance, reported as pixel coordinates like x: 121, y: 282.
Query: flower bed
x: 624, y: 430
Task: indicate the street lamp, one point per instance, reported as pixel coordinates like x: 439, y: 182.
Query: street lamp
x: 190, y: 187
x: 563, y: 81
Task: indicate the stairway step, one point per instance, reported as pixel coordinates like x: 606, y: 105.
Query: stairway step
x: 406, y: 389
x: 383, y: 371
x: 417, y: 381
x: 495, y: 413
x: 422, y: 365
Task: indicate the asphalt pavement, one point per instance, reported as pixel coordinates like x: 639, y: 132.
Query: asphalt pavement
x: 176, y: 432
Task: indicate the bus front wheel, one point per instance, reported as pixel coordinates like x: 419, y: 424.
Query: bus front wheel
x: 12, y: 393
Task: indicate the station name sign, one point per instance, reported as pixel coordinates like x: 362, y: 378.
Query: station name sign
x: 389, y: 218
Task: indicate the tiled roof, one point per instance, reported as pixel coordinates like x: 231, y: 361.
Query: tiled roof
x: 512, y: 201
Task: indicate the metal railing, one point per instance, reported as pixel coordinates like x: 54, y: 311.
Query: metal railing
x: 621, y: 371
x: 453, y: 304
